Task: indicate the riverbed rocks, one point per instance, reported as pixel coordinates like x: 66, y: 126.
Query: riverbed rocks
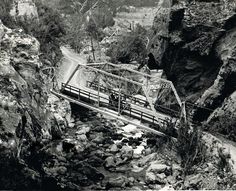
x: 118, y: 165
x: 155, y: 173
x: 110, y: 162
x: 157, y: 167
x: 192, y: 181
x: 114, y: 149
x: 99, y: 165
x: 116, y: 182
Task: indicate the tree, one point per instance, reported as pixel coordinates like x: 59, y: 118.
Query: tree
x: 190, y: 146
x: 49, y: 30
x: 5, y: 17
x: 131, y: 47
x: 75, y: 32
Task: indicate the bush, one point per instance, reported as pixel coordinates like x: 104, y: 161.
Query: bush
x: 225, y: 125
x: 5, y: 17
x: 190, y: 146
x: 48, y: 28
x: 131, y: 47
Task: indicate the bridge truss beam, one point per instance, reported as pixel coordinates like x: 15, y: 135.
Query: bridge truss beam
x: 128, y: 82
x: 104, y: 112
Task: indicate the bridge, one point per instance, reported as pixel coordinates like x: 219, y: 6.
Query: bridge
x: 125, y: 94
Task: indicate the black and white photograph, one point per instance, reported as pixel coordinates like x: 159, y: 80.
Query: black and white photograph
x: 133, y: 95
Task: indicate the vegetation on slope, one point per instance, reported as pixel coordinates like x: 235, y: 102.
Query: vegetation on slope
x: 5, y: 7
x: 48, y: 28
x: 130, y: 47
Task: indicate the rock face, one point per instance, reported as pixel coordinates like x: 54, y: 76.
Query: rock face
x: 221, y: 94
x: 26, y: 117
x: 22, y: 89
x: 199, y: 49
x: 159, y: 40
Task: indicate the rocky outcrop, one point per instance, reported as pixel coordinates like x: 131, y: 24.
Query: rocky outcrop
x: 22, y: 86
x: 199, y: 51
x: 40, y: 21
x: 221, y: 94
x: 226, y: 111
x: 60, y: 117
x: 160, y: 30
x: 26, y: 117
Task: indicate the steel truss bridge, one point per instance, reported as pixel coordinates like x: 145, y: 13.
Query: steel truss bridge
x: 125, y: 93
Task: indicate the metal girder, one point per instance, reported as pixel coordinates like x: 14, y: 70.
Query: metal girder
x: 125, y: 76
x: 149, y: 76
x: 73, y: 73
x: 123, y: 68
x: 128, y: 69
x: 113, y: 70
x: 109, y: 114
x: 112, y: 75
x: 146, y: 92
x: 97, y: 75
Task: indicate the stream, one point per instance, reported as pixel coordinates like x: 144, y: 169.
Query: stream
x: 99, y: 153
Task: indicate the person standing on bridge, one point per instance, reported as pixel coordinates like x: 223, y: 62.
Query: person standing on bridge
x: 112, y: 99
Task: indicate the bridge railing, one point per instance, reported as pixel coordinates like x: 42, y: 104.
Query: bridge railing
x: 104, y: 89
x: 133, y: 100
x: 91, y: 97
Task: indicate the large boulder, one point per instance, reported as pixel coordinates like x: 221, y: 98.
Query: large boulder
x: 193, y: 181
x: 127, y: 152
x: 117, y: 182
x: 110, y: 162
x: 157, y: 167
x: 147, y: 159
x: 150, y: 178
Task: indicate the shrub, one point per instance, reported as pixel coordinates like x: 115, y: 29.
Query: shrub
x: 5, y: 17
x: 190, y: 146
x: 131, y: 47
x: 225, y: 125
x: 48, y: 28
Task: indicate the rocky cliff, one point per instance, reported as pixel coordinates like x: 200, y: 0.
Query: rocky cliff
x: 27, y: 110
x: 199, y: 54
x: 221, y: 94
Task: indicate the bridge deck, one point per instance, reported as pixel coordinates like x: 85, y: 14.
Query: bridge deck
x: 109, y: 113
x: 102, y: 100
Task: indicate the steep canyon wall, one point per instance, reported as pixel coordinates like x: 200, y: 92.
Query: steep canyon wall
x: 198, y: 50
